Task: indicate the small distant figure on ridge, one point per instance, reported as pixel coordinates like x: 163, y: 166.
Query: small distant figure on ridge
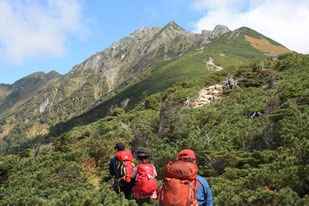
x: 121, y: 167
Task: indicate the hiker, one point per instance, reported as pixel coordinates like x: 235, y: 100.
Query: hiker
x: 121, y: 167
x: 182, y: 185
x: 203, y: 194
x: 144, y: 177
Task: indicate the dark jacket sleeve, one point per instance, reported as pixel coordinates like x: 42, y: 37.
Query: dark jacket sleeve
x: 111, y: 167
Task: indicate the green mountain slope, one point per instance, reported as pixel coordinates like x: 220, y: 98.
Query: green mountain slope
x: 234, y: 48
x: 5, y: 90
x: 143, y: 63
x: 251, y: 143
x: 23, y: 89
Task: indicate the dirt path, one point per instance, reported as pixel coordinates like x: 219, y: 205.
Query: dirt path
x: 211, y: 65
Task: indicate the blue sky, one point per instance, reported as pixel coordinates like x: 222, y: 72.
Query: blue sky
x: 45, y: 35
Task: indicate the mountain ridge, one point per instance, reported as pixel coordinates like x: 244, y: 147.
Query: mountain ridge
x: 146, y: 61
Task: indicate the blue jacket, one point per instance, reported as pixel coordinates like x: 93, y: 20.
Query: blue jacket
x: 203, y: 194
x: 113, y: 170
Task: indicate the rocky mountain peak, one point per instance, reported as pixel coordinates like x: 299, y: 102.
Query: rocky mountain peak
x: 138, y: 34
x: 219, y: 30
x: 171, y: 31
x: 132, y: 49
x: 53, y: 74
x: 205, y: 32
x: 174, y: 26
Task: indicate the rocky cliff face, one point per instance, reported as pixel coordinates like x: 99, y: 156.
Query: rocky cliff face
x: 136, y: 52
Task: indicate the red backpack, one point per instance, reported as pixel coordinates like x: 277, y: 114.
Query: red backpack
x: 180, y: 184
x: 125, y: 166
x: 146, y: 183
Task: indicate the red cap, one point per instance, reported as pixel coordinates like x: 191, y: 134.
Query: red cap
x: 186, y: 154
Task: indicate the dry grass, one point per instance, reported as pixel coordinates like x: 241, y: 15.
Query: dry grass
x: 4, y: 93
x: 266, y: 47
x: 37, y: 129
x: 95, y: 181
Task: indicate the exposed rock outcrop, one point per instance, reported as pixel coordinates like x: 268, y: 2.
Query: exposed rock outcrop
x: 219, y: 30
x: 230, y: 82
x: 208, y: 95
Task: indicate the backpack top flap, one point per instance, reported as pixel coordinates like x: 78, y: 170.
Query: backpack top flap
x: 145, y: 169
x: 125, y: 155
x: 181, y: 169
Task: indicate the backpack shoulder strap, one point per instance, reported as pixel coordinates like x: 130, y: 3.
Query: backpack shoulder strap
x: 198, y: 182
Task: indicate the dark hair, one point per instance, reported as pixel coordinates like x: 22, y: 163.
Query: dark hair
x: 189, y: 159
x: 119, y: 146
x: 144, y: 160
x: 142, y: 154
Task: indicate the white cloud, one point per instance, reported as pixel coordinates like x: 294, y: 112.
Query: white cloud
x: 217, y: 4
x: 285, y: 21
x: 32, y: 28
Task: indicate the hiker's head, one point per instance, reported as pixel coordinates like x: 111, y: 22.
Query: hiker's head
x: 187, y: 154
x: 119, y: 147
x: 142, y: 155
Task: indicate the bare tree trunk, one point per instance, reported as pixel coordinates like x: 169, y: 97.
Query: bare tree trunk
x: 162, y: 119
x: 230, y: 82
x: 37, y: 150
x: 267, y: 136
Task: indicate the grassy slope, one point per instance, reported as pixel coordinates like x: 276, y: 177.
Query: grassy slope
x: 24, y: 89
x: 4, y: 92
x: 234, y: 47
